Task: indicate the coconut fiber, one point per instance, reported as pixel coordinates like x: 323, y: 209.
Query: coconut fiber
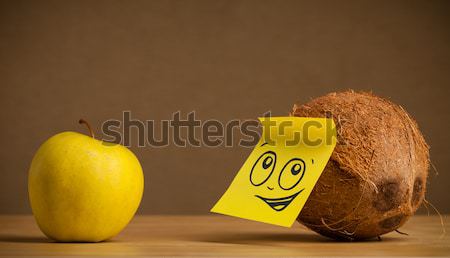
x: 376, y: 177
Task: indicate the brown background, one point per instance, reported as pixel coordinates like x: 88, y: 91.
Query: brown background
x: 63, y: 60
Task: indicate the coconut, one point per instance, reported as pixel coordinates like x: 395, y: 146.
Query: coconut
x: 376, y: 177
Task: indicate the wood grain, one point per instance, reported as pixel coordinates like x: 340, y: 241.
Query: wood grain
x: 217, y: 235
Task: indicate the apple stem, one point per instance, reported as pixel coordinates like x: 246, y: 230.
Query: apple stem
x: 82, y: 121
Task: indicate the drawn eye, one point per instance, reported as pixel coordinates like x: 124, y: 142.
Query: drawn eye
x: 263, y: 168
x: 292, y: 173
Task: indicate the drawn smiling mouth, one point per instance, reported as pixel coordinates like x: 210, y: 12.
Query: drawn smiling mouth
x: 279, y: 204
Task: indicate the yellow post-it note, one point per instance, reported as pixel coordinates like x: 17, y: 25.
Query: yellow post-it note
x: 277, y: 178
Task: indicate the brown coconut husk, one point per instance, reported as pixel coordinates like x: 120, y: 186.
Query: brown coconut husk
x: 376, y: 177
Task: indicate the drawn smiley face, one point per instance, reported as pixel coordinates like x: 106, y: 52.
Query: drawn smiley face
x: 276, y: 179
x: 265, y: 173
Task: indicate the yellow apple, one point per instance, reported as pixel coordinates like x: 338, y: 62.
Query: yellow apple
x: 82, y: 189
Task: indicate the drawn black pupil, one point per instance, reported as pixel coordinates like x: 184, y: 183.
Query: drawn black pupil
x: 296, y: 169
x: 267, y: 162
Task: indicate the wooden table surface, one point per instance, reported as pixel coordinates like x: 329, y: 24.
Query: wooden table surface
x: 217, y: 235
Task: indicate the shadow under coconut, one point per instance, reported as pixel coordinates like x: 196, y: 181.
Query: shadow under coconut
x: 262, y: 238
x: 267, y: 238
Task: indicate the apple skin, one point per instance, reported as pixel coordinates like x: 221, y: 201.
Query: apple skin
x: 82, y: 189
